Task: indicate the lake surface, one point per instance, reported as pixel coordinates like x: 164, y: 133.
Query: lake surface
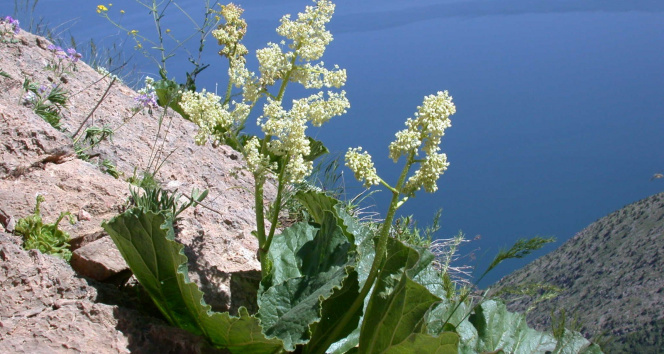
x: 560, y: 104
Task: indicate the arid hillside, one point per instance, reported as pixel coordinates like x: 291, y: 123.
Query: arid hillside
x: 612, y: 276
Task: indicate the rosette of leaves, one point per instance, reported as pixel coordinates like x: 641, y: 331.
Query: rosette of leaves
x: 47, y: 238
x: 316, y: 271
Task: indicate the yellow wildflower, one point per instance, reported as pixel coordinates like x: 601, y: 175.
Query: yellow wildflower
x: 101, y: 8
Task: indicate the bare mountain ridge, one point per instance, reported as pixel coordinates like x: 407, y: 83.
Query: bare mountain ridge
x: 613, y: 275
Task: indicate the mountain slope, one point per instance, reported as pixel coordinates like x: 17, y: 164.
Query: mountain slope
x: 612, y: 273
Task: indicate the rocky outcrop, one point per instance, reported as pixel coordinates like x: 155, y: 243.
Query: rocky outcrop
x: 45, y: 307
x: 612, y: 276
x: 45, y: 304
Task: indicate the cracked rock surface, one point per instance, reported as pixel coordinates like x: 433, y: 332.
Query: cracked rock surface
x: 47, y: 304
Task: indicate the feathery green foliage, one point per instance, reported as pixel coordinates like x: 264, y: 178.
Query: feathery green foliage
x: 520, y: 249
x: 47, y: 238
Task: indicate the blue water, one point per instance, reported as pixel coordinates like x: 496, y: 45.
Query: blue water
x: 560, y: 104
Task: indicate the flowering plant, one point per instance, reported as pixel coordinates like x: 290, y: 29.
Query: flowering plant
x: 12, y: 23
x: 284, y: 151
x: 63, y: 61
x: 47, y: 101
x: 329, y: 283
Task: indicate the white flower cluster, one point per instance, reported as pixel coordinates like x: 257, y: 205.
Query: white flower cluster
x: 430, y: 169
x: 273, y: 63
x: 428, y: 127
x: 240, y: 77
x: 308, y: 32
x: 291, y: 140
x: 103, y: 71
x: 426, y: 130
x: 284, y: 128
x: 148, y: 87
x: 230, y: 33
x: 256, y: 162
x: 317, y: 76
x: 360, y: 163
x: 318, y: 110
x: 288, y: 128
x: 208, y: 113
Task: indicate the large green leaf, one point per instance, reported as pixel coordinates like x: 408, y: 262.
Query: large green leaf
x: 146, y: 241
x: 286, y: 264
x: 364, y: 246
x: 435, y: 321
x: 499, y: 329
x: 395, y: 313
x: 446, y: 343
x: 331, y: 316
x: 316, y: 203
x: 573, y: 342
x: 363, y: 239
x: 290, y: 306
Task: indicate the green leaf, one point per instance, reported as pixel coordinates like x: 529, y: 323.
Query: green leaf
x: 446, y: 343
x: 288, y: 309
x: 398, y: 304
x: 47, y: 238
x: 363, y: 239
x: 286, y: 264
x: 146, y: 241
x: 317, y: 204
x: 168, y: 95
x: 332, y: 312
x: 499, y: 329
x: 317, y: 149
x: 435, y: 321
x: 574, y: 342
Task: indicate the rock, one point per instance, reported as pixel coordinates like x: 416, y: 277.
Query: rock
x: 99, y: 260
x: 37, y: 158
x: 84, y: 215
x: 45, y: 307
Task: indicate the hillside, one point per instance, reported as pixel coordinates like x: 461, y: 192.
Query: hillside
x: 612, y: 273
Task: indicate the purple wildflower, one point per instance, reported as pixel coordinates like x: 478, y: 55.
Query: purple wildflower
x: 14, y: 23
x: 73, y: 55
x: 147, y: 100
x: 54, y: 48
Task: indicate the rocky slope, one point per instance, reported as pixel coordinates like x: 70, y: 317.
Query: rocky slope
x: 612, y: 274
x: 45, y: 305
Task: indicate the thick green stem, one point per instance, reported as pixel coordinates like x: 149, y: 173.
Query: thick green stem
x: 276, y: 209
x: 381, y: 249
x: 229, y: 87
x: 260, y: 221
x: 263, y: 240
